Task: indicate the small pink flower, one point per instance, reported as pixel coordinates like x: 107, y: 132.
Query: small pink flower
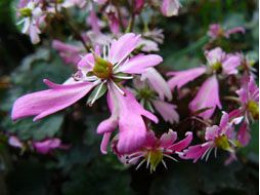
x: 69, y: 53
x: 207, y: 98
x: 47, y: 146
x: 32, y: 18
x: 170, y: 7
x: 218, y: 59
x: 216, y: 31
x: 221, y: 136
x: 249, y: 109
x: 154, y: 150
x: 152, y: 90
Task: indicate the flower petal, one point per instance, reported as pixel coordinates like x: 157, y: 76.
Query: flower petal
x: 179, y: 146
x: 166, y: 110
x: 157, y: 83
x: 167, y: 139
x: 207, y: 97
x: 183, y: 77
x: 140, y: 63
x: 122, y: 47
x: 46, y: 102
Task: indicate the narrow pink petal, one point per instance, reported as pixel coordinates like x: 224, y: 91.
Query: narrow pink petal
x: 140, y: 63
x: 87, y: 62
x: 167, y: 139
x: 15, y: 142
x: 236, y: 30
x: 243, y: 134
x: 224, y: 120
x: 46, y: 102
x: 196, y: 152
x: 179, y: 146
x: 122, y: 47
x: 181, y: 78
x: 132, y: 133
x: 105, y: 142
x: 231, y: 64
x: 150, y: 140
x: 157, y: 83
x: 47, y: 146
x: 207, y: 97
x: 212, y: 132
x: 166, y: 110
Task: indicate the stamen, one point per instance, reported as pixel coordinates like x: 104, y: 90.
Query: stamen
x: 170, y: 157
x: 140, y: 164
x: 118, y: 88
x: 97, y: 93
x: 164, y: 164
x: 123, y: 77
x: 207, y: 157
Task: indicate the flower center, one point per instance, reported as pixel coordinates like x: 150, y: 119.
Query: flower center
x: 25, y: 12
x: 145, y: 93
x: 222, y: 142
x: 216, y: 66
x: 153, y: 157
x: 102, y: 69
x: 253, y: 109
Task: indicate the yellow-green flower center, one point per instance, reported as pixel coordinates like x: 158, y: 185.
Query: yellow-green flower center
x: 253, y: 108
x: 222, y: 142
x: 153, y: 157
x: 102, y: 68
x: 145, y: 93
x: 217, y: 66
x: 25, y: 12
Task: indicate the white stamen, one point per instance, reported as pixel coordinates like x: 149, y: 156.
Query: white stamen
x: 164, y: 164
x: 123, y: 77
x: 118, y: 88
x: 215, y: 152
x: 140, y: 164
x: 170, y: 157
x: 97, y: 93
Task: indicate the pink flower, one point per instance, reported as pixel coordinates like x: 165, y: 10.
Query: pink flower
x: 42, y: 147
x: 102, y: 72
x: 32, y: 17
x: 207, y: 97
x: 221, y: 136
x: 249, y: 109
x: 154, y: 150
x: 218, y: 59
x: 170, y: 7
x: 152, y: 90
x: 216, y: 31
x: 69, y: 53
x: 98, y: 71
x: 157, y: 83
x: 126, y: 113
x: 47, y: 146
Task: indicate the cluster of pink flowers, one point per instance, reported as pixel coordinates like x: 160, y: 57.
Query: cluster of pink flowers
x: 106, y: 63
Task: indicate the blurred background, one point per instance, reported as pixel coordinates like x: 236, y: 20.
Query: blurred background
x: 82, y: 169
